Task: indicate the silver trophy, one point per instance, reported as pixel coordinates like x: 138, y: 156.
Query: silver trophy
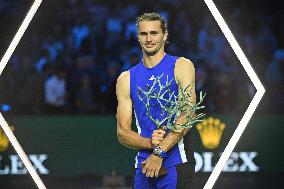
x: 172, y: 107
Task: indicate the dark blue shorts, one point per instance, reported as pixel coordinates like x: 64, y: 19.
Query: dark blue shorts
x: 178, y: 177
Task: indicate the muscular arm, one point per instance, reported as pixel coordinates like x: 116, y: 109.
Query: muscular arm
x: 185, y: 74
x: 125, y: 135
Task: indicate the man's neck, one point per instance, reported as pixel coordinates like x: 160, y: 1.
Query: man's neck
x: 152, y: 61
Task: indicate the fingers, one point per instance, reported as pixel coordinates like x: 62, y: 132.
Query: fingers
x: 148, y: 171
x: 151, y: 174
x: 159, y: 132
x: 143, y: 166
x: 144, y: 170
x: 156, y: 142
x: 156, y: 173
x: 158, y: 136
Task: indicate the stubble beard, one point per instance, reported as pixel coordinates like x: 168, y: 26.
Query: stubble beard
x: 152, y: 52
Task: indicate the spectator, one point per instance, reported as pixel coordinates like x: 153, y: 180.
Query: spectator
x: 85, y: 102
x: 55, y: 92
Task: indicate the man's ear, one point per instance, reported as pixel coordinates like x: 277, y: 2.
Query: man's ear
x: 138, y: 36
x: 165, y: 36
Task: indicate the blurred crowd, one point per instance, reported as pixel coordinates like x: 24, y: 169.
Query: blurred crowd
x: 69, y: 59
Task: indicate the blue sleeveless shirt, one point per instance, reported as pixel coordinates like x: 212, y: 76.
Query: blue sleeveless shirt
x: 141, y: 76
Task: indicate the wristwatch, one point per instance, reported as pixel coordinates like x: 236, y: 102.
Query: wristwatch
x: 158, y: 151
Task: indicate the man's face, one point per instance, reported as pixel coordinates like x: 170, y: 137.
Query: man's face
x: 151, y: 37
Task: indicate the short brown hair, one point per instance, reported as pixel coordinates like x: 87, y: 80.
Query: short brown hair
x: 153, y: 16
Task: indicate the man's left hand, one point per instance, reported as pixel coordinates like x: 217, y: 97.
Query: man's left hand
x: 152, y: 166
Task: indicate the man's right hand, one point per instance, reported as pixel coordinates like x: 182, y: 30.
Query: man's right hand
x: 157, y: 137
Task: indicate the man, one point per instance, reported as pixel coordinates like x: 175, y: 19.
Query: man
x: 157, y: 148
x: 55, y: 92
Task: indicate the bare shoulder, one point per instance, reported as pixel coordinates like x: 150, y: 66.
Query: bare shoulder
x: 123, y: 77
x: 184, y: 63
x: 123, y: 83
x: 183, y: 67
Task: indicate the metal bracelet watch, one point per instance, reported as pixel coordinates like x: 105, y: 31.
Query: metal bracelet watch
x: 158, y: 151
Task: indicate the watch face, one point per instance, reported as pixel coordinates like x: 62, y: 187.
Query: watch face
x: 156, y: 151
x: 159, y: 152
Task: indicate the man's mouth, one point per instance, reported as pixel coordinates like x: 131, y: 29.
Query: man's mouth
x: 149, y: 45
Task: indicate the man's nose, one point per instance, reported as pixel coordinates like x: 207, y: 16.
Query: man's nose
x: 148, y: 38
